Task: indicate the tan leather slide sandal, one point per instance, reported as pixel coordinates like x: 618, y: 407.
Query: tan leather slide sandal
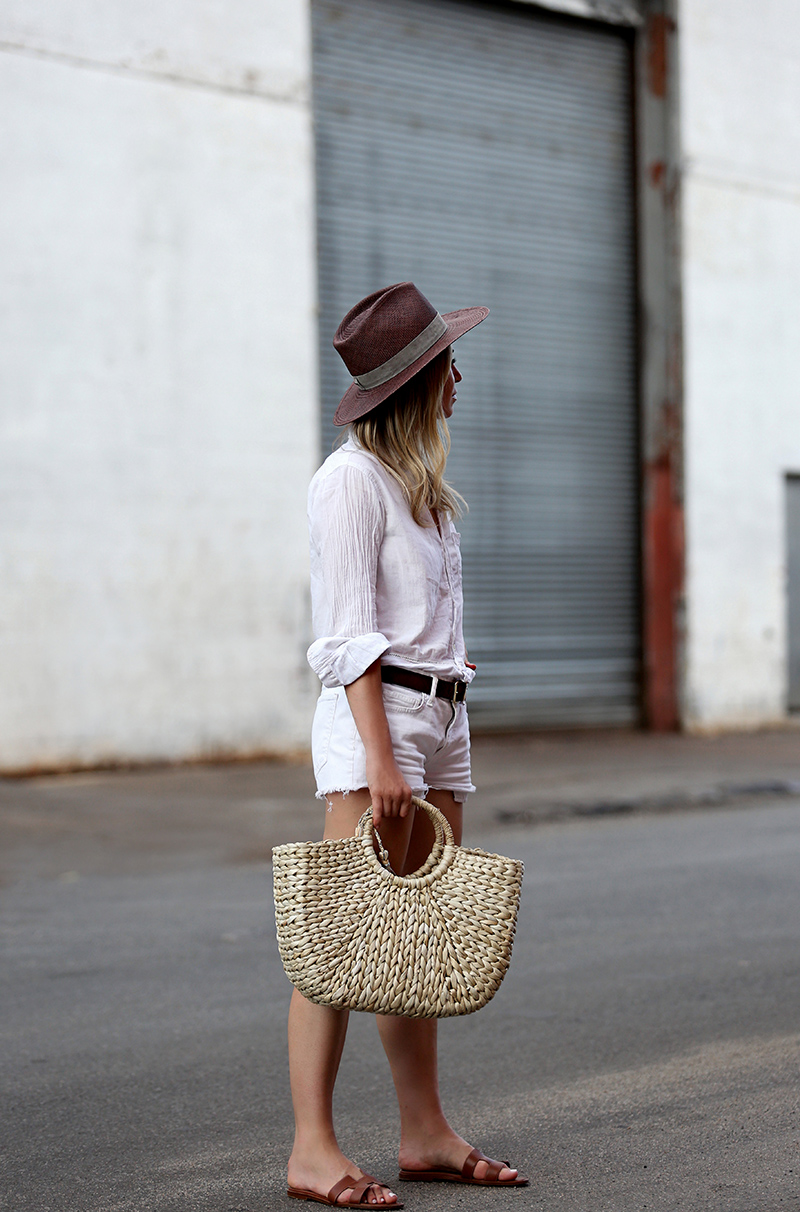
x: 360, y: 1188
x: 467, y: 1174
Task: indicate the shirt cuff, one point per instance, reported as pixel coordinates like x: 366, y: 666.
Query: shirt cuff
x: 338, y: 661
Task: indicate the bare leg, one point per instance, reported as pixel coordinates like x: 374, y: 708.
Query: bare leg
x: 426, y: 1138
x: 316, y: 1040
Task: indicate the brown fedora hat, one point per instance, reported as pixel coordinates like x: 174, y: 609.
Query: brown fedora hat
x: 389, y: 336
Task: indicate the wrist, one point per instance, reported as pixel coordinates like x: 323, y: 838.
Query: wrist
x: 380, y: 755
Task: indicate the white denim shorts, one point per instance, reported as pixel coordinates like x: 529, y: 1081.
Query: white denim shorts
x: 430, y: 739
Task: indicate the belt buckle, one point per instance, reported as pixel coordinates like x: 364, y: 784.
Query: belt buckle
x: 454, y: 700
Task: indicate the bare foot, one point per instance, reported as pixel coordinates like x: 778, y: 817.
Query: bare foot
x: 322, y: 1171
x: 448, y: 1151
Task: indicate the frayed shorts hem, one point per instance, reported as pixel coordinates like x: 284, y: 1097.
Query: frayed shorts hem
x: 459, y: 794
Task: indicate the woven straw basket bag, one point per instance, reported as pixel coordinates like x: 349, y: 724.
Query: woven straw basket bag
x: 353, y: 935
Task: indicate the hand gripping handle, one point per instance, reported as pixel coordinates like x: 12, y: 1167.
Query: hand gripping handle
x: 442, y: 831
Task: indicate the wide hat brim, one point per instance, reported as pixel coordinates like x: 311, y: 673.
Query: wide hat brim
x: 358, y: 401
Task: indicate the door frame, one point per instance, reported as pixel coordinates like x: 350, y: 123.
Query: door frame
x: 660, y: 342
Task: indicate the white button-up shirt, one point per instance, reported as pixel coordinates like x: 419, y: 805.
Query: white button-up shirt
x: 381, y: 585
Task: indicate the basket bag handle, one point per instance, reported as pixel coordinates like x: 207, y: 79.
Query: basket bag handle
x: 441, y: 852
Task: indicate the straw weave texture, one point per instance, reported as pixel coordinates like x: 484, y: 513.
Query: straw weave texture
x: 353, y: 935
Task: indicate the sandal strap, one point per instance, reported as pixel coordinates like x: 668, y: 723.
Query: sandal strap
x: 342, y: 1185
x: 359, y: 1187
x: 493, y: 1168
x: 362, y: 1186
x: 471, y: 1161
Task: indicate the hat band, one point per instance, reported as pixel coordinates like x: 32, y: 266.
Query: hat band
x: 407, y: 355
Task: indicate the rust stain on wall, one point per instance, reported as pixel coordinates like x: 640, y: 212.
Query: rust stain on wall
x: 656, y: 173
x: 663, y: 576
x: 659, y: 27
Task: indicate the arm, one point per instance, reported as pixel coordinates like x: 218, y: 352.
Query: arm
x: 347, y: 523
x: 391, y: 794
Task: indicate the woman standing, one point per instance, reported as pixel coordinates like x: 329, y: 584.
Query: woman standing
x: 391, y: 720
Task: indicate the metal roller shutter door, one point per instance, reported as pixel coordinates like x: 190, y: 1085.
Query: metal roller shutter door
x: 484, y: 152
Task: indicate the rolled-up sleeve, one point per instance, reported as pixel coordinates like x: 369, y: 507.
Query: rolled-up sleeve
x: 346, y: 525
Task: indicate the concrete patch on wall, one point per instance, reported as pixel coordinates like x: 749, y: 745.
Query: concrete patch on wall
x: 160, y: 416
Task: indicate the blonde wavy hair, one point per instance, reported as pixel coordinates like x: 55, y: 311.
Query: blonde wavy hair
x: 409, y: 434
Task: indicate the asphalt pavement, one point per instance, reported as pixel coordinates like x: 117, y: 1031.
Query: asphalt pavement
x: 643, y: 1052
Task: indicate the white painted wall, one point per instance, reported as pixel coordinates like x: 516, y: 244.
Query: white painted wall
x: 159, y: 398
x: 740, y: 101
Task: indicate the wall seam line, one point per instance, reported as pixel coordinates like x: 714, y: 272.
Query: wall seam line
x: 788, y: 192
x: 141, y: 74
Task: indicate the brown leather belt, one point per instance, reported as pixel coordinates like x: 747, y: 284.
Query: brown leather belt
x: 454, y: 692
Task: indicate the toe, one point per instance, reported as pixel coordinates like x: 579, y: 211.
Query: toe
x: 382, y: 1197
x: 506, y: 1175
